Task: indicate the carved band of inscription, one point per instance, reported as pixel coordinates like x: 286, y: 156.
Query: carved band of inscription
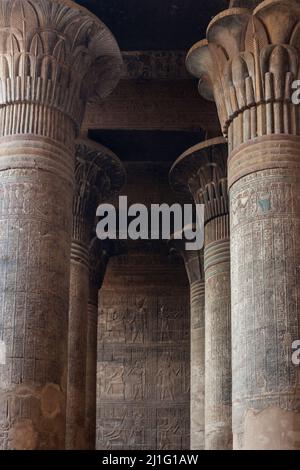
x: 263, y: 153
x: 215, y: 255
x: 154, y: 65
x: 267, y: 194
x: 37, y: 153
x: 265, y: 226
x: 79, y: 253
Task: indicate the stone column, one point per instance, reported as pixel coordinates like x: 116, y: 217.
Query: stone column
x: 248, y: 64
x: 193, y: 261
x: 51, y: 54
x: 99, y: 175
x: 202, y: 170
x: 97, y: 261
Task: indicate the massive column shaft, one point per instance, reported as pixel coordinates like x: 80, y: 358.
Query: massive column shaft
x: 218, y: 428
x: 193, y: 261
x: 202, y: 169
x: 261, y: 58
x: 50, y: 53
x: 98, y: 176
x: 194, y: 265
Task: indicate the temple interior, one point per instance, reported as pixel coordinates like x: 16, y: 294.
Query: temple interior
x: 141, y: 344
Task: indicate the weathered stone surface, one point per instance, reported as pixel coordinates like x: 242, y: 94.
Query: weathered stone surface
x: 51, y: 53
x: 154, y: 65
x: 202, y: 170
x: 168, y: 105
x: 144, y: 331
x: 99, y: 176
x: 143, y: 353
x: 257, y: 113
x: 193, y: 261
x: 218, y: 426
x: 265, y: 276
x: 98, y: 258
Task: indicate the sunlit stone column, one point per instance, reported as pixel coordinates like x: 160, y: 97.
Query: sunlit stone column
x: 248, y: 64
x: 54, y: 56
x: 203, y: 171
x: 99, y: 175
x: 193, y: 261
x: 97, y: 264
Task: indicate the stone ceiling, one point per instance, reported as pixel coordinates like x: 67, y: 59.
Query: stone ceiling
x: 156, y: 24
x: 152, y: 25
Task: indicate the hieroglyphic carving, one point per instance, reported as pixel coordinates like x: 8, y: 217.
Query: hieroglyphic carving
x: 218, y: 427
x: 48, y: 51
x: 195, y: 270
x: 143, y: 356
x: 154, y: 65
x: 259, y: 52
x: 265, y: 227
x: 202, y: 170
x: 124, y: 427
x: 98, y: 258
x: 99, y: 175
x: 170, y: 429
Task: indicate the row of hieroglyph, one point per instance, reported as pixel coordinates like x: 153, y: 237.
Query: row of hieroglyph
x: 55, y: 57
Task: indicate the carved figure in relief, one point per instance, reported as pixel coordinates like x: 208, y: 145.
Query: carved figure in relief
x: 114, y: 380
x: 166, y: 376
x: 116, y: 436
x: 166, y: 431
x: 115, y: 324
x: 135, y: 321
x: 164, y: 323
x: 137, y: 433
x: 135, y: 381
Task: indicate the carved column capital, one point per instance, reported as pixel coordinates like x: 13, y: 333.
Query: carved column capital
x: 202, y: 171
x: 248, y: 64
x: 56, y: 54
x: 99, y: 176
